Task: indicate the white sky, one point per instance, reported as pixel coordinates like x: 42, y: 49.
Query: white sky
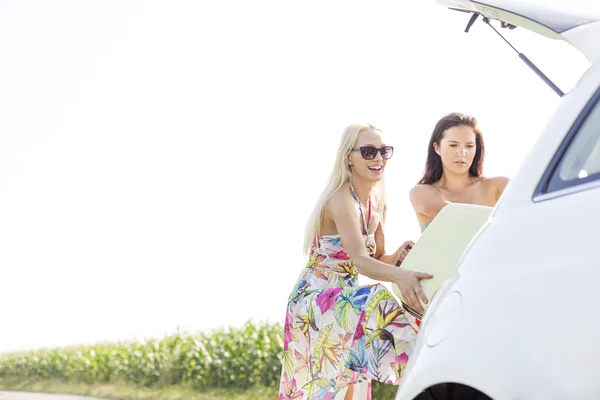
x: 158, y: 160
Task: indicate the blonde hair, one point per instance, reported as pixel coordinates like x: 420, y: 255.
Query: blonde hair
x: 339, y: 176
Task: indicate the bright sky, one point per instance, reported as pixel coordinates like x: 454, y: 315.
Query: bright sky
x: 158, y: 160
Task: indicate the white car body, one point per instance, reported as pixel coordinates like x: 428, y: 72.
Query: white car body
x: 518, y: 321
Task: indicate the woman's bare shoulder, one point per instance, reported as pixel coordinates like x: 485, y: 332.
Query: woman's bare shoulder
x: 494, y: 186
x: 420, y: 192
x: 495, y: 182
x: 340, y: 199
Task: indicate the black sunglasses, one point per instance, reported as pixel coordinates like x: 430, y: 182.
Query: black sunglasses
x: 370, y: 152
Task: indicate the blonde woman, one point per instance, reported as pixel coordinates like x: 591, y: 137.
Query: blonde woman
x: 338, y: 336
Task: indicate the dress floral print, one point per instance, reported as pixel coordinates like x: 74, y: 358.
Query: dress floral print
x: 337, y: 333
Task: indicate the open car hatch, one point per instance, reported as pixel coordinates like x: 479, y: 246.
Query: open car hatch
x: 576, y: 22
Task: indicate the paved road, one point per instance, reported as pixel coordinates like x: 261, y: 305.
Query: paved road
x: 37, y: 396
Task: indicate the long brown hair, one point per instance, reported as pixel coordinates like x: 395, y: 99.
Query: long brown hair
x: 433, y: 165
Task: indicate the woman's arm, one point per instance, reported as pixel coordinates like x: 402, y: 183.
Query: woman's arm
x: 500, y: 183
x: 426, y: 201
x: 398, y: 255
x: 342, y: 210
x: 494, y: 187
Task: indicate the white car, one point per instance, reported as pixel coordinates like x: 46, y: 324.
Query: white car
x: 519, y: 319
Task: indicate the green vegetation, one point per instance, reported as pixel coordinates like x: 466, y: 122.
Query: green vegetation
x: 237, y: 363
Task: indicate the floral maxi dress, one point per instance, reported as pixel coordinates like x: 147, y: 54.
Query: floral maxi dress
x: 337, y: 333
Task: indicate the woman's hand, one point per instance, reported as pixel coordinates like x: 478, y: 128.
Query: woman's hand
x: 399, y: 255
x: 403, y: 250
x: 408, y: 283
